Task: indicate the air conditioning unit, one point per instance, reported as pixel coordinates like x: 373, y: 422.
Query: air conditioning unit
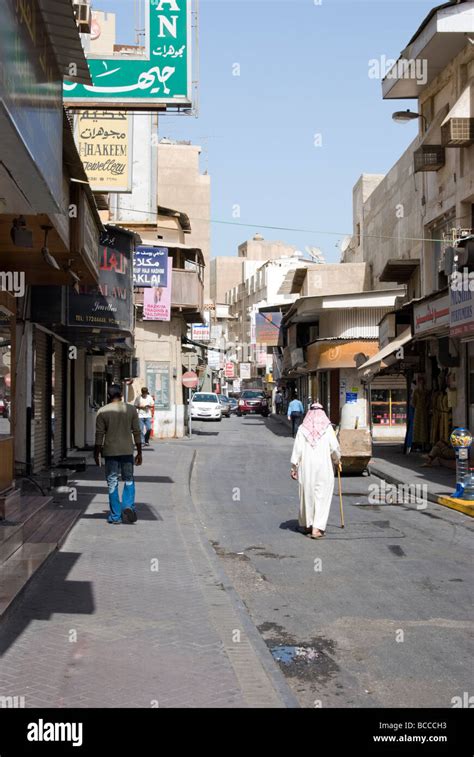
x: 83, y: 14
x: 429, y: 158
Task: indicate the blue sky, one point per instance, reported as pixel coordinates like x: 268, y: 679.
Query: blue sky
x: 303, y: 71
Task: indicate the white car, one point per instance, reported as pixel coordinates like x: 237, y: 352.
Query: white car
x: 205, y: 405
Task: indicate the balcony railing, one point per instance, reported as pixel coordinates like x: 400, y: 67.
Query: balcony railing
x: 187, y: 290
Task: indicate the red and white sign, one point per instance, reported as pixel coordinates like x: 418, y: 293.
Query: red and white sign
x: 229, y: 370
x: 190, y: 380
x: 431, y: 315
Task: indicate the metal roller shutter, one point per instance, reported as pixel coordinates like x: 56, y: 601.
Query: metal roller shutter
x: 389, y: 382
x: 41, y: 402
x: 60, y: 387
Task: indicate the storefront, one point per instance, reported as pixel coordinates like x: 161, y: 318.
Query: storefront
x: 462, y: 334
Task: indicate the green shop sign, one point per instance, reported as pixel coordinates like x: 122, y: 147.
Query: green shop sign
x: 159, y: 73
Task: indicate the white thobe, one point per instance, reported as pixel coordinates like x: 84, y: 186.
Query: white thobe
x: 315, y: 477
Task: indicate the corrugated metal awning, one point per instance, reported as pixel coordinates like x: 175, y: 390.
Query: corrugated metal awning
x: 60, y: 22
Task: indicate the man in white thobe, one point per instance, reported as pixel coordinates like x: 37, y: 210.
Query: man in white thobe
x: 315, y: 452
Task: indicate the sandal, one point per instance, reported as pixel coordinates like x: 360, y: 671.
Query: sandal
x: 318, y: 535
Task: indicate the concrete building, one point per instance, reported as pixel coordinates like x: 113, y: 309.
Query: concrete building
x: 225, y: 274
x: 181, y: 184
x: 409, y: 223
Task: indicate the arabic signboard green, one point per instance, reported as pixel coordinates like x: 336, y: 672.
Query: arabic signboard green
x: 159, y: 75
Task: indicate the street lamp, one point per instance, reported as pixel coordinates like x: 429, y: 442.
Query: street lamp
x: 404, y: 116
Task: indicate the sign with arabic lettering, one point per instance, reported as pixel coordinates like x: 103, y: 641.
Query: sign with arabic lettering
x: 157, y: 73
x: 109, y: 305
x: 103, y: 138
x: 150, y: 267
x: 157, y: 299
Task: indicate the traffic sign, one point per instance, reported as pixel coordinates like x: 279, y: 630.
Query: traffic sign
x: 190, y: 380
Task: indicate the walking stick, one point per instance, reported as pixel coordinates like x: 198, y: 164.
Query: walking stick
x: 339, y: 466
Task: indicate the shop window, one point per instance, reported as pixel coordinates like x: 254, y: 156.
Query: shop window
x: 389, y: 407
x: 158, y: 383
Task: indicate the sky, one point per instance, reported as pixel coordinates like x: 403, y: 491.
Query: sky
x: 286, y: 140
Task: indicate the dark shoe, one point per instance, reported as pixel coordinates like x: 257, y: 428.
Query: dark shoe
x: 113, y: 522
x: 129, y: 515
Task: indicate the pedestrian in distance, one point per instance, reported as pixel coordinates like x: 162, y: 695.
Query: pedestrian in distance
x: 295, y: 414
x: 315, y: 452
x: 278, y: 401
x: 117, y: 427
x: 144, y: 404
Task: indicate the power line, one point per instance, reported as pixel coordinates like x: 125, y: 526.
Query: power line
x: 285, y: 228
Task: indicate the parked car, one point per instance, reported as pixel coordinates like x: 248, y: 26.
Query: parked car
x: 225, y: 405
x: 253, y: 402
x: 233, y: 404
x: 205, y: 405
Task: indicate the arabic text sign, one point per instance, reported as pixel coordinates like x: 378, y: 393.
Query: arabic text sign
x: 104, y: 143
x: 157, y: 300
x: 245, y: 371
x: 160, y: 75
x: 150, y: 267
x: 108, y: 305
x: 431, y: 315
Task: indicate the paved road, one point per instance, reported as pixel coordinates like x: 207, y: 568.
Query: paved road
x: 383, y: 608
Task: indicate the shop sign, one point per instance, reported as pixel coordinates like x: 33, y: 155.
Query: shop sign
x: 157, y: 377
x: 200, y: 332
x: 213, y: 359
x: 461, y: 313
x: 104, y: 142
x: 109, y: 304
x: 267, y: 328
x: 245, y: 371
x: 160, y: 74
x: 150, y: 266
x: 431, y: 315
x: 157, y: 299
x: 229, y: 370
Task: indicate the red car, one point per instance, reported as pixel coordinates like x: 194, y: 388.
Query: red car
x: 253, y: 402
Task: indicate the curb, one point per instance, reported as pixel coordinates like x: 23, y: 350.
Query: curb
x: 461, y: 505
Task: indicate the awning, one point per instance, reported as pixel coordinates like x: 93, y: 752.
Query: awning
x: 374, y: 364
x: 442, y: 36
x: 63, y: 33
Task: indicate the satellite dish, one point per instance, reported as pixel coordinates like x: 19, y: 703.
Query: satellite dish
x: 344, y: 243
x: 316, y: 254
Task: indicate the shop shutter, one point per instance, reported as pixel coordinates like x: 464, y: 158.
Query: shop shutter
x: 60, y: 388
x: 41, y: 403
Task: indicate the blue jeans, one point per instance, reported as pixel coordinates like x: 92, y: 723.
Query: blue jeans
x: 121, y: 464
x: 145, y: 426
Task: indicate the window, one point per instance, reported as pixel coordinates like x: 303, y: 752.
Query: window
x: 389, y: 407
x: 199, y: 397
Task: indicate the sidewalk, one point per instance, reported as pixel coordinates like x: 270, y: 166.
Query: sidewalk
x: 137, y: 615
x: 390, y: 464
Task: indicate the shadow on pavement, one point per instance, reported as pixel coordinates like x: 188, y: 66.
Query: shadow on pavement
x: 51, y: 592
x: 277, y: 427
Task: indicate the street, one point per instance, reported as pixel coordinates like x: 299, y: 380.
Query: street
x: 173, y: 612
x: 392, y: 569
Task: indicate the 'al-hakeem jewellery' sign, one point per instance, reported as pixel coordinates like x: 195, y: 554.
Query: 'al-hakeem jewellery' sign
x: 104, y: 142
x: 159, y: 73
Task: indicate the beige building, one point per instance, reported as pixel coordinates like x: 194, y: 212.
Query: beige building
x: 407, y: 223
x: 182, y: 185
